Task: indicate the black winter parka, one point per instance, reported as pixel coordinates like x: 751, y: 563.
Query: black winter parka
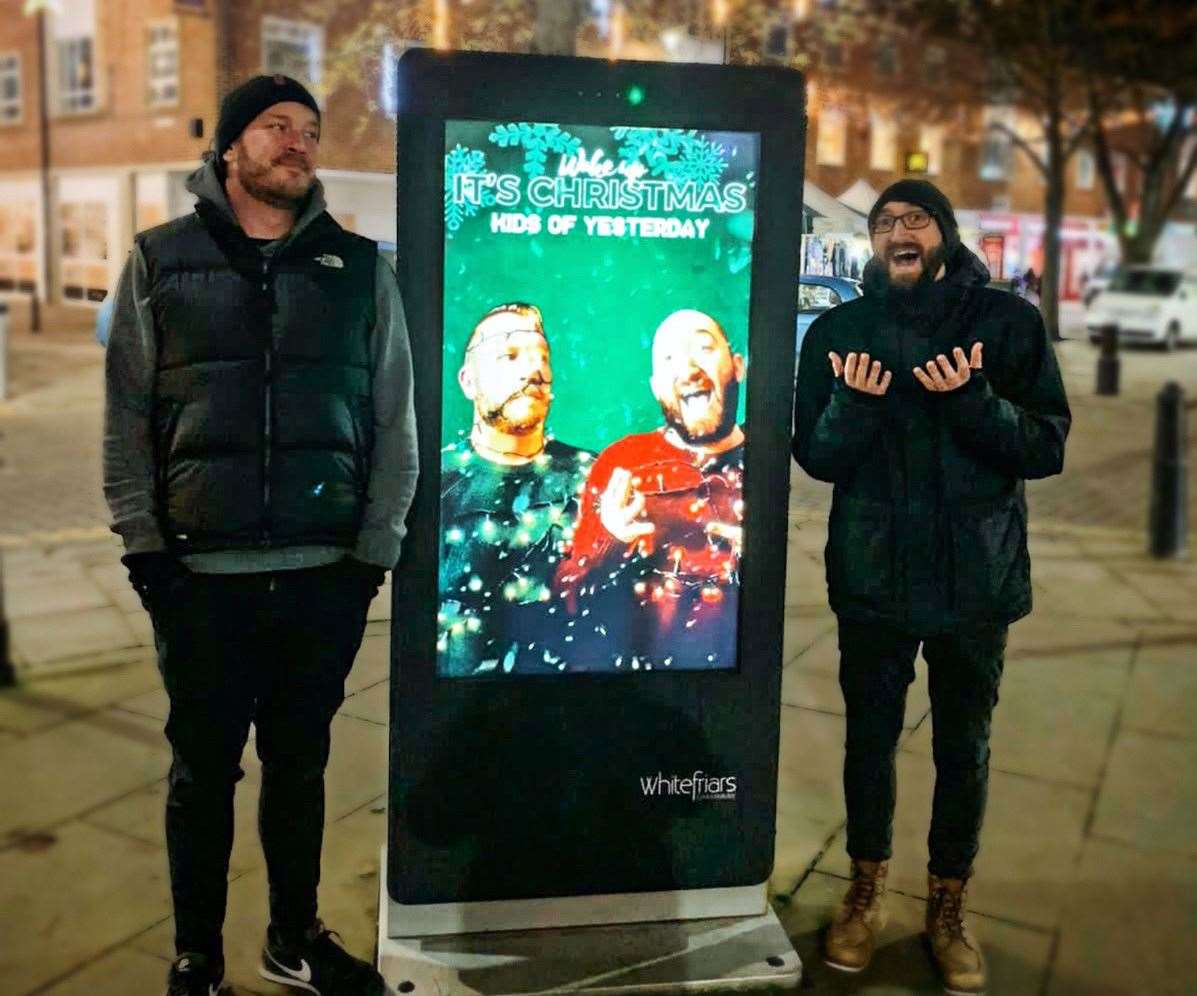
x: 928, y: 528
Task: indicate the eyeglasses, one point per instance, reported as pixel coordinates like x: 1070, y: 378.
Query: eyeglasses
x: 913, y: 220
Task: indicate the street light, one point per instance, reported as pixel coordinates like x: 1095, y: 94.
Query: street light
x: 40, y: 8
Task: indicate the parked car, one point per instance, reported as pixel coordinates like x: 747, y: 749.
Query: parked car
x: 816, y: 294
x: 1149, y: 304
x: 1096, y: 282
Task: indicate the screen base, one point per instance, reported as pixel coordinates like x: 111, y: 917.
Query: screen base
x: 724, y: 954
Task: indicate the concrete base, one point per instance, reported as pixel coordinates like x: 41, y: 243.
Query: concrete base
x: 725, y: 954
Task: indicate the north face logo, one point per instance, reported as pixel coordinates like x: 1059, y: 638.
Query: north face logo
x: 328, y: 259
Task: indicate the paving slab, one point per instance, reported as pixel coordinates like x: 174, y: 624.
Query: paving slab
x: 1088, y: 589
x: 372, y: 704
x: 373, y: 661
x: 53, y: 596
x: 1029, y: 845
x: 810, y: 804
x: 123, y: 971
x: 815, y: 690
x: 69, y: 896
x: 76, y: 766
x: 1149, y: 796
x: 1162, y: 697
x: 1054, y: 718
x: 141, y: 815
x: 42, y: 640
x: 1018, y: 956
x: 1128, y: 925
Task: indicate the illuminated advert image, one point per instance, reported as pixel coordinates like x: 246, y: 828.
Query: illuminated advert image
x: 596, y: 303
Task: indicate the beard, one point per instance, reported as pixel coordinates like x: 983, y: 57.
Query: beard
x: 877, y: 278
x: 704, y: 429
x: 279, y: 192
x: 520, y: 413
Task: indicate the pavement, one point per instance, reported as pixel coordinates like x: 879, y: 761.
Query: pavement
x: 1087, y: 878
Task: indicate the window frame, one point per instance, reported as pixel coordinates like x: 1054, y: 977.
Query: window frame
x: 839, y: 116
x: 151, y: 82
x: 17, y: 72
x: 276, y: 29
x: 63, y: 104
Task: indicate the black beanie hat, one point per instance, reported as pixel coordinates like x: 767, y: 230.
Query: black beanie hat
x: 250, y: 99
x: 925, y: 195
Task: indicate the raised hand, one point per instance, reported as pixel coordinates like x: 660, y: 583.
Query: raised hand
x: 941, y: 375
x: 861, y: 375
x: 620, y: 508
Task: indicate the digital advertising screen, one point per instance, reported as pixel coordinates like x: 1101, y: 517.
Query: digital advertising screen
x: 596, y: 292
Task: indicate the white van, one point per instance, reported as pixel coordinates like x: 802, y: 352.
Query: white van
x: 1150, y: 304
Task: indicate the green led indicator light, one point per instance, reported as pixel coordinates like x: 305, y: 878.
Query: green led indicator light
x: 636, y: 95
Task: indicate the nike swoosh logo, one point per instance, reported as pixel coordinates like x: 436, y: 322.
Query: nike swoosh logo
x: 303, y: 973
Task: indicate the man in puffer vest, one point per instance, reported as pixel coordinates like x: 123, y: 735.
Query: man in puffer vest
x: 259, y: 461
x: 927, y: 403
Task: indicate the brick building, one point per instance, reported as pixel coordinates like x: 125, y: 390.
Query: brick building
x: 133, y: 87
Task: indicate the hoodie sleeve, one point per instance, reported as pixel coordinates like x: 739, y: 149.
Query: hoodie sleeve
x: 1015, y: 417
x: 394, y: 461
x: 834, y: 425
x: 128, y: 412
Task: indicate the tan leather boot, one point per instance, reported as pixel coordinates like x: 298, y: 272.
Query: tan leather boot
x: 954, y: 950
x: 852, y: 936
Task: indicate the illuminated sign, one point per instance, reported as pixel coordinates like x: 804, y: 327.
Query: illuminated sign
x: 596, y: 294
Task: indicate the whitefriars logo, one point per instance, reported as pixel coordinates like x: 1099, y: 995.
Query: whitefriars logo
x: 698, y: 786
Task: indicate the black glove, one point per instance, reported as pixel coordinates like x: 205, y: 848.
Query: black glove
x: 369, y: 576
x: 153, y: 574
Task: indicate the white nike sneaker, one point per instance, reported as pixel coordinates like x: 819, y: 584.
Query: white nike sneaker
x: 318, y: 964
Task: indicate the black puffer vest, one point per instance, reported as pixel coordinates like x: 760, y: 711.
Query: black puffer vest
x: 263, y: 414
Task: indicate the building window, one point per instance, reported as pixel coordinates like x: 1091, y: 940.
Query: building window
x: 10, y: 88
x: 997, y: 149
x: 883, y: 142
x: 777, y: 40
x: 76, y: 75
x: 833, y: 56
x: 832, y: 139
x: 931, y: 142
x: 84, y: 251
x: 18, y: 264
x: 293, y: 48
x: 886, y: 59
x: 162, y: 64
x: 1085, y: 169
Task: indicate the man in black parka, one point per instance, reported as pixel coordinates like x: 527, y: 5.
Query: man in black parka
x: 927, y: 403
x: 259, y: 460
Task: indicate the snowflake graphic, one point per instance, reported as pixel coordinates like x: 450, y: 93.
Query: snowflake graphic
x: 462, y: 160
x: 675, y: 154
x: 537, y: 141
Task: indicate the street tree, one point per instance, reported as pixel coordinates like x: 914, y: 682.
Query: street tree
x: 1022, y: 54
x: 1141, y: 83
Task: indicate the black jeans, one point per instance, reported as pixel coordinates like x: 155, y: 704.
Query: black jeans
x: 964, y: 670
x: 271, y: 649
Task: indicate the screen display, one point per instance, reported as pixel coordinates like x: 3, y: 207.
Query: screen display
x: 596, y: 311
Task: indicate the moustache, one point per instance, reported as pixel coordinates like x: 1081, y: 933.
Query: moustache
x: 297, y: 161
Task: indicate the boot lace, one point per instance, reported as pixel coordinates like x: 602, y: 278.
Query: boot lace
x: 949, y: 912
x: 864, y: 886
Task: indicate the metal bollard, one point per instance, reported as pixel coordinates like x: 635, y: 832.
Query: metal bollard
x: 8, y: 676
x: 1168, y: 525
x: 3, y: 350
x: 1108, y: 363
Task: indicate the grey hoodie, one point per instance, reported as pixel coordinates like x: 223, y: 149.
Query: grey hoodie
x: 129, y: 472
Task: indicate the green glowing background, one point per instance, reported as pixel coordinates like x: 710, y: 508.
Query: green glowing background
x: 602, y: 298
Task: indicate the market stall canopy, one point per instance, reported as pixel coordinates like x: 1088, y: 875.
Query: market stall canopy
x: 836, y: 216
x: 860, y: 197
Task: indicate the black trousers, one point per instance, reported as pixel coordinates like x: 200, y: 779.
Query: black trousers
x: 272, y: 649
x: 964, y: 670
